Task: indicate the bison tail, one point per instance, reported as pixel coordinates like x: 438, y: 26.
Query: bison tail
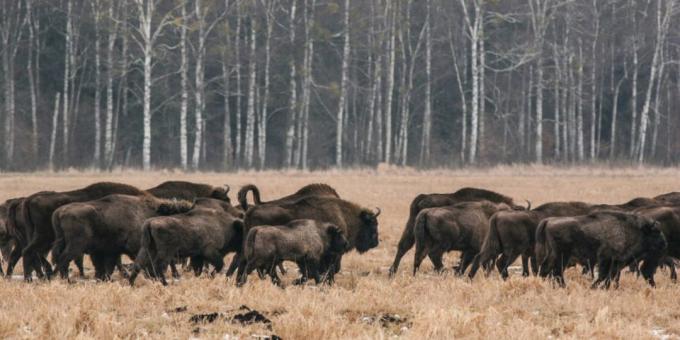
x: 249, y: 245
x: 543, y: 247
x: 492, y: 244
x: 148, y: 242
x: 243, y: 196
x: 59, y: 238
x: 12, y: 228
x: 420, y: 229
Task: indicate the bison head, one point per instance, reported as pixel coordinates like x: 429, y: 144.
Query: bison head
x: 338, y: 241
x: 367, y: 238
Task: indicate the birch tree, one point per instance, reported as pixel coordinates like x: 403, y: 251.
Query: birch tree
x: 110, y: 63
x: 427, y: 115
x: 184, y: 102
x: 97, y: 85
x: 292, y: 104
x: 342, y: 103
x: 146, y: 37
x: 11, y: 29
x: 250, y: 114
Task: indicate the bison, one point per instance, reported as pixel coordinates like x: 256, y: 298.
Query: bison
x: 308, y: 243
x: 671, y: 198
x: 458, y: 227
x: 207, y: 232
x: 424, y: 201
x: 315, y: 189
x: 105, y: 229
x: 511, y: 234
x: 613, y: 238
x: 359, y: 225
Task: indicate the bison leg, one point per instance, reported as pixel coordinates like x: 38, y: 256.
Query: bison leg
x: 234, y: 265
x: 603, y: 271
x: 99, y: 266
x: 13, y: 259
x: 81, y: 268
x: 421, y: 251
x: 197, y: 265
x: 173, y: 269
x: 217, y: 261
x: 276, y: 280
x: 465, y: 261
x: 405, y: 244
x: 64, y: 259
x: 671, y: 267
x: 242, y: 274
x: 534, y: 263
x: 525, y: 265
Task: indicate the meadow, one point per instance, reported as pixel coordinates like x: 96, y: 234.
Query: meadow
x: 363, y: 303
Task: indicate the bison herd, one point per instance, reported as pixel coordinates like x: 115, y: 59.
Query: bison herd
x: 196, y: 225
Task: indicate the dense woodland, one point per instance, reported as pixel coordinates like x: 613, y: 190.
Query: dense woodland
x: 313, y: 84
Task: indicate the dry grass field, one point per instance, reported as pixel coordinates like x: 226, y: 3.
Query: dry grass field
x: 364, y: 303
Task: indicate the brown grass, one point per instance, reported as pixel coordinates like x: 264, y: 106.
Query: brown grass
x: 428, y: 306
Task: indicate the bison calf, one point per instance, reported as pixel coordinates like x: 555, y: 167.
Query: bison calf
x: 311, y: 244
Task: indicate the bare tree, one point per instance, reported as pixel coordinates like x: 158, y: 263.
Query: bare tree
x: 342, y: 102
x: 292, y: 105
x: 250, y: 113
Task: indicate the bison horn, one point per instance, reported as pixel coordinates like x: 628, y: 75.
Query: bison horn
x: 528, y: 204
x: 377, y: 212
x: 226, y: 188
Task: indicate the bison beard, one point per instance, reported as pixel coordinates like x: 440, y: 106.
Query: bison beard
x: 614, y: 239
x: 424, y: 201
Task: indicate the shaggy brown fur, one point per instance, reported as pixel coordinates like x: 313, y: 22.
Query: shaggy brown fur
x: 207, y: 232
x: 424, y: 201
x: 459, y: 227
x: 671, y: 198
x: 183, y: 190
x: 614, y: 238
x: 318, y: 189
x: 105, y: 229
x: 306, y: 242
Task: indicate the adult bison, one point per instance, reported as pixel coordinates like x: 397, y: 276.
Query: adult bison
x: 314, y: 189
x: 311, y: 244
x: 106, y: 228
x: 459, y: 227
x: 512, y: 233
x: 359, y: 225
x: 7, y: 242
x: 205, y: 233
x: 669, y: 223
x: 424, y: 201
x: 183, y: 190
x: 614, y: 238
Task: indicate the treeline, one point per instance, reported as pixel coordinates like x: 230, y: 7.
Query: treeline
x: 253, y: 84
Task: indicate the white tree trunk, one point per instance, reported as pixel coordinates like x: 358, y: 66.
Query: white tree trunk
x: 239, y: 94
x: 390, y: 82
x: 264, y: 112
x: 292, y: 105
x: 97, y: 162
x: 427, y: 115
x: 250, y: 115
x: 579, y: 109
x: 32, y: 82
x: 53, y: 135
x: 184, y: 103
x: 108, y: 128
x: 199, y: 104
x: 342, y: 103
x: 68, y: 51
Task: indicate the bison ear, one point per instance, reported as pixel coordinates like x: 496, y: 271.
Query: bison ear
x: 333, y: 230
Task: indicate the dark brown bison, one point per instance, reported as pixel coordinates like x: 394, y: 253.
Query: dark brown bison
x: 669, y: 223
x: 182, y: 190
x: 614, y: 238
x: 6, y: 241
x: 308, y: 243
x: 424, y: 201
x: 37, y: 219
x: 458, y: 227
x: 205, y: 233
x: 106, y: 228
x: 511, y: 234
x: 315, y: 189
x: 359, y: 225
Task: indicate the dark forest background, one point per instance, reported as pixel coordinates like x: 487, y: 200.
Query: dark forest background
x: 313, y: 84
